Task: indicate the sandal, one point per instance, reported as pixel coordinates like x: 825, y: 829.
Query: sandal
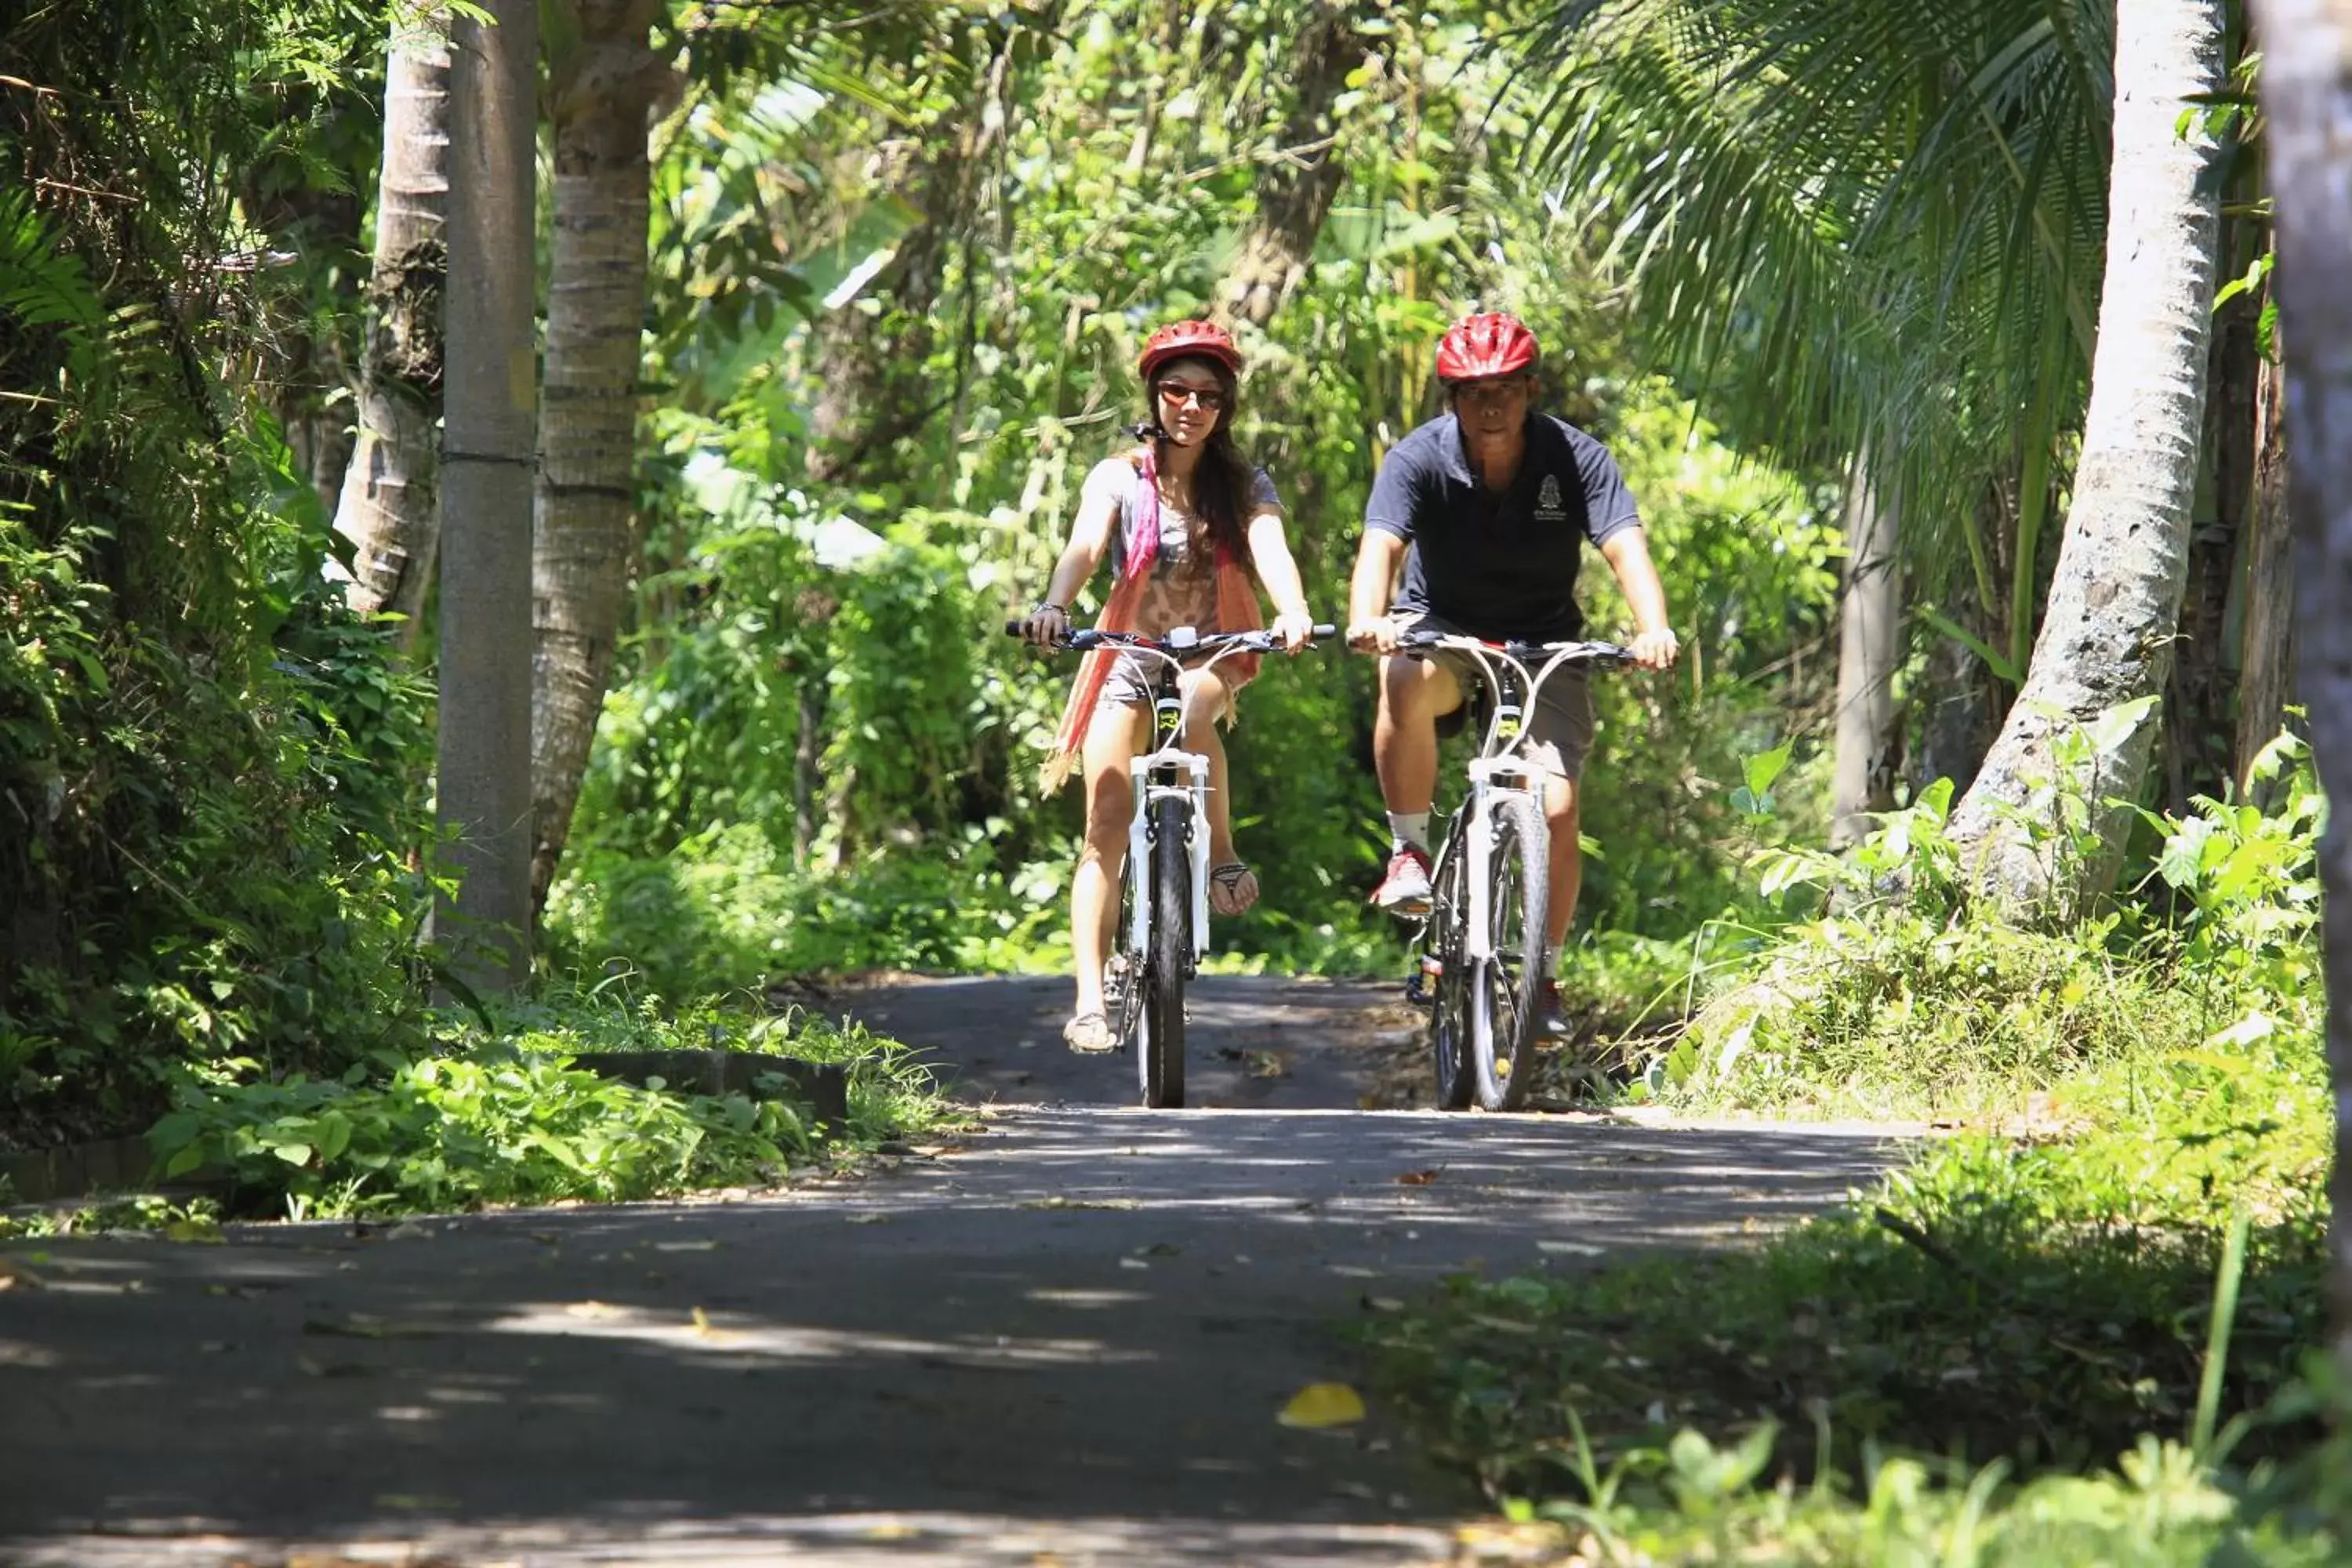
x: 1233, y: 888
x: 1089, y: 1034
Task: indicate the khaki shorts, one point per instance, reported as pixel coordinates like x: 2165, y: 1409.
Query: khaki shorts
x: 1559, y: 729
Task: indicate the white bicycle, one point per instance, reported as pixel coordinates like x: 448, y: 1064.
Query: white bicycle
x: 1164, y: 888
x: 1479, y: 966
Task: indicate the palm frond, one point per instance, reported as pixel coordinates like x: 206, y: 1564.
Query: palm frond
x: 1850, y: 221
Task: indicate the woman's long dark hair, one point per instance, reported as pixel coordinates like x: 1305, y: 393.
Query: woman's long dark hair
x: 1224, y: 479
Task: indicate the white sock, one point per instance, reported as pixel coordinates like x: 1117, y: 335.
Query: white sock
x: 1410, y: 828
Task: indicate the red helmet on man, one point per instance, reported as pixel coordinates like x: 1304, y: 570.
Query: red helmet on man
x: 1494, y: 343
x: 1186, y: 340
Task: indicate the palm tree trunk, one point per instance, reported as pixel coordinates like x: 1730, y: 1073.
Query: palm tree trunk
x: 389, y: 508
x: 2307, y: 86
x: 493, y: 408
x: 2267, y: 659
x: 607, y: 80
x: 1295, y: 190
x: 2035, y: 827
x: 1871, y: 603
x: 2199, y: 729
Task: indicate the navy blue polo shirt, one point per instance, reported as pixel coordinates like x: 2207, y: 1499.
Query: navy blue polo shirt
x: 1500, y: 567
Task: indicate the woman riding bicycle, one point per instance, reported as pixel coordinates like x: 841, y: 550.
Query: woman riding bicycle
x: 1188, y: 524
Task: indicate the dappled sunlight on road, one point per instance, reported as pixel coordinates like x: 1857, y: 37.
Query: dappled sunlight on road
x: 1072, y: 1332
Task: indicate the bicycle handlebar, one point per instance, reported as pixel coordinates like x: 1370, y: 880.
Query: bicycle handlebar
x: 1083, y: 641
x: 1608, y: 655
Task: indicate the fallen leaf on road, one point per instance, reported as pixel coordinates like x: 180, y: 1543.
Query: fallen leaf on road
x: 194, y: 1230
x: 1265, y: 1064
x: 13, y: 1274
x: 890, y: 1531
x: 1419, y: 1178
x: 1319, y: 1405
x: 704, y: 1330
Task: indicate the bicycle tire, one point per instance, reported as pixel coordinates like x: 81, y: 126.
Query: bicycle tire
x: 1506, y: 989
x: 1449, y: 1011
x: 1160, y: 1063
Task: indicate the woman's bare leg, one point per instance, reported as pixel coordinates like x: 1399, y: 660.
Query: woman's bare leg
x: 1206, y: 699
x: 1112, y: 741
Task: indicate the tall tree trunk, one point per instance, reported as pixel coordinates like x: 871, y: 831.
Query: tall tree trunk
x: 2104, y: 651
x: 808, y: 749
x: 1958, y: 724
x: 1869, y: 743
x: 2199, y: 725
x: 2307, y: 86
x: 486, y: 494
x: 877, y: 385
x: 607, y: 80
x: 2267, y: 660
x: 389, y: 508
x: 1295, y: 187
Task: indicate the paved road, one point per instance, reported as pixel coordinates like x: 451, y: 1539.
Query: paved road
x: 1064, y: 1343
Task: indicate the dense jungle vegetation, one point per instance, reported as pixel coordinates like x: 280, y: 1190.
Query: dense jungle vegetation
x: 1970, y: 803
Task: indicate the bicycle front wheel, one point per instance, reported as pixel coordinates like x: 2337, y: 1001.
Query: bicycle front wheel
x: 1449, y: 1012
x: 1506, y: 989
x: 1167, y: 956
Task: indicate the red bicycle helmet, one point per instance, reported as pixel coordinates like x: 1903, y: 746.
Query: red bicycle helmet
x: 1182, y: 340
x: 1490, y: 345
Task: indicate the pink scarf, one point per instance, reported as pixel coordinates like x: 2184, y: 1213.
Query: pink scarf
x: 1237, y: 611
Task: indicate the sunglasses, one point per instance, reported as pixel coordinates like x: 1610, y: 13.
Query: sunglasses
x: 1176, y: 392
x: 1494, y: 393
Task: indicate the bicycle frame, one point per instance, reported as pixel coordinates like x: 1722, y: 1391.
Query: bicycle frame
x: 1170, y: 770
x: 1501, y: 764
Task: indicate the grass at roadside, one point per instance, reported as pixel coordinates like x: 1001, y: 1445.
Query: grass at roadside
x: 2037, y: 1308
x: 500, y: 1114
x: 2013, y: 1350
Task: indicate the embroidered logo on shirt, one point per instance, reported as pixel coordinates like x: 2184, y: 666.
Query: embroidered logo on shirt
x: 1547, y: 503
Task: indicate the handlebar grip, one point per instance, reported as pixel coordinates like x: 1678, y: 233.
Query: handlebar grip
x: 1325, y: 629
x: 1012, y: 628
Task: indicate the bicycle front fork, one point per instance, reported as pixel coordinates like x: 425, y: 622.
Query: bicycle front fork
x: 1158, y: 778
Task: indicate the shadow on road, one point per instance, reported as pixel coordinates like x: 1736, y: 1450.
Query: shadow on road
x: 1071, y: 1336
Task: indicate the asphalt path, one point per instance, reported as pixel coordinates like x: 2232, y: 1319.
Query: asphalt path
x: 1062, y: 1338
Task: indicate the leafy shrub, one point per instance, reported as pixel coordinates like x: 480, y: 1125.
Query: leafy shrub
x: 1929, y: 1001
x: 2042, y: 1304
x: 507, y: 1119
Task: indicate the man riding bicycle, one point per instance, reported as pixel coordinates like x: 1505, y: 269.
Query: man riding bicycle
x: 1485, y: 510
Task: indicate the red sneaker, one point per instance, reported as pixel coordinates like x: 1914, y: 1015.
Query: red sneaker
x: 1405, y: 889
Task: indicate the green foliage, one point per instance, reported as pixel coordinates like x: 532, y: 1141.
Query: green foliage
x: 2154, y: 1114
x: 507, y: 1119
x: 866, y: 611
x: 1931, y: 1003
x: 1686, y: 1502
x: 211, y: 771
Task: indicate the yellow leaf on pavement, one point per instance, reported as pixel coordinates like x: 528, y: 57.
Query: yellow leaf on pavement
x: 194, y: 1230
x: 1322, y: 1405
